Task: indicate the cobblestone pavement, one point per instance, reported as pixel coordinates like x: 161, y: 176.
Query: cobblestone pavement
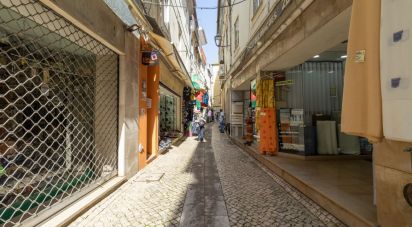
x: 206, y: 184
x: 256, y: 197
x: 148, y: 203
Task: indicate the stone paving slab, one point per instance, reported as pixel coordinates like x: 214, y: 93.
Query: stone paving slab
x: 206, y: 184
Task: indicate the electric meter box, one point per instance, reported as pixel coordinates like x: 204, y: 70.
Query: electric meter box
x: 396, y: 69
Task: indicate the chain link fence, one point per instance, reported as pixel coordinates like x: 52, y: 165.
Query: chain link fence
x: 58, y: 111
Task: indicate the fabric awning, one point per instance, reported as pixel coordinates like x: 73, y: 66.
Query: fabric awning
x: 197, y: 82
x: 362, y: 100
x: 169, y: 53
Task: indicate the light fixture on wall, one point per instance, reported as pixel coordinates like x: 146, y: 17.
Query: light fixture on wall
x: 140, y: 29
x: 343, y: 56
x: 133, y: 27
x: 316, y: 56
x: 218, y: 41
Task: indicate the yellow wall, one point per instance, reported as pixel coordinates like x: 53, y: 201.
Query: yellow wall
x: 142, y: 116
x: 170, y: 80
x: 217, y: 101
x: 153, y: 78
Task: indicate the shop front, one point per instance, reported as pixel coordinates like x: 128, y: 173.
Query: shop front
x: 307, y: 99
x: 163, y: 85
x: 170, y: 122
x: 305, y: 128
x: 58, y: 112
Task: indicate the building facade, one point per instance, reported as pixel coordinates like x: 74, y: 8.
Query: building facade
x: 181, y: 60
x: 300, y: 46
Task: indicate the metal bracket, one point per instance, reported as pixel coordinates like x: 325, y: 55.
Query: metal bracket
x: 408, y: 149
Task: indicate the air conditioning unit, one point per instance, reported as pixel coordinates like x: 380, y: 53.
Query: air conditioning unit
x: 202, y: 36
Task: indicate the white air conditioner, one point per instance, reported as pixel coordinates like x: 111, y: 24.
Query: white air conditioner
x: 202, y: 36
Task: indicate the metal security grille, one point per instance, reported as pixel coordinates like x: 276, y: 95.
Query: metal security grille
x: 58, y: 111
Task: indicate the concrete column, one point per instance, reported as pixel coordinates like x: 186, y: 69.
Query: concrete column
x: 128, y: 107
x: 153, y: 78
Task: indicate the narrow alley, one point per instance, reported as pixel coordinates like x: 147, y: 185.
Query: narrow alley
x: 213, y: 183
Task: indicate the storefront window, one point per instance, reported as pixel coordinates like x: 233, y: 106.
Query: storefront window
x: 169, y: 112
x: 58, y: 111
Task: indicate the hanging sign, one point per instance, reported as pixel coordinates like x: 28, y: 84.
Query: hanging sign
x: 284, y: 83
x: 150, y: 58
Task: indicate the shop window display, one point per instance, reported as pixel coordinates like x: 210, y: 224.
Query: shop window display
x: 58, y: 112
x: 167, y: 114
x: 169, y: 123
x: 187, y: 107
x: 309, y: 119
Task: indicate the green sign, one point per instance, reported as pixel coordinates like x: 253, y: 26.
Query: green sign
x: 284, y: 83
x: 253, y: 93
x: 2, y: 170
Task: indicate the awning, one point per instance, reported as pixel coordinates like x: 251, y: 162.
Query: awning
x: 169, y: 53
x: 197, y: 82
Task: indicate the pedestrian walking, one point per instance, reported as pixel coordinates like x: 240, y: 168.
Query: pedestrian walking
x: 201, y: 133
x: 222, y: 121
x: 209, y: 115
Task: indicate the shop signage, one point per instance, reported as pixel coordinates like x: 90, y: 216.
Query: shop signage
x: 360, y: 56
x: 296, y: 117
x: 284, y: 83
x: 150, y: 58
x: 148, y: 103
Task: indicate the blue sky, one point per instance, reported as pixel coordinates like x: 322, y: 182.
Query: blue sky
x: 207, y: 19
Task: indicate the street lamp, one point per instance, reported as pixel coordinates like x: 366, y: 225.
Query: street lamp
x: 218, y: 41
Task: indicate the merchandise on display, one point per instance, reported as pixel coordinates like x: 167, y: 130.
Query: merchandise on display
x: 348, y: 144
x: 169, y: 125
x: 187, y: 107
x: 268, y: 137
x: 167, y: 113
x: 327, y: 141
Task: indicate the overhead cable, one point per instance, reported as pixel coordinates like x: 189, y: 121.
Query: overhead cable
x: 197, y: 7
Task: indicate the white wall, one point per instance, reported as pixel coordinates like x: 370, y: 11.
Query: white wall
x: 179, y: 20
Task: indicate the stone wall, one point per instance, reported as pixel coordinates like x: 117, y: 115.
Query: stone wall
x: 393, y: 170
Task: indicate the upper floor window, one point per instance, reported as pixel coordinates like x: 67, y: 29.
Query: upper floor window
x: 166, y: 9
x: 256, y: 4
x: 180, y: 39
x: 236, y: 31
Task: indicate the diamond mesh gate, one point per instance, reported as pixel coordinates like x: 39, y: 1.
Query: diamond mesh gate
x: 58, y: 111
